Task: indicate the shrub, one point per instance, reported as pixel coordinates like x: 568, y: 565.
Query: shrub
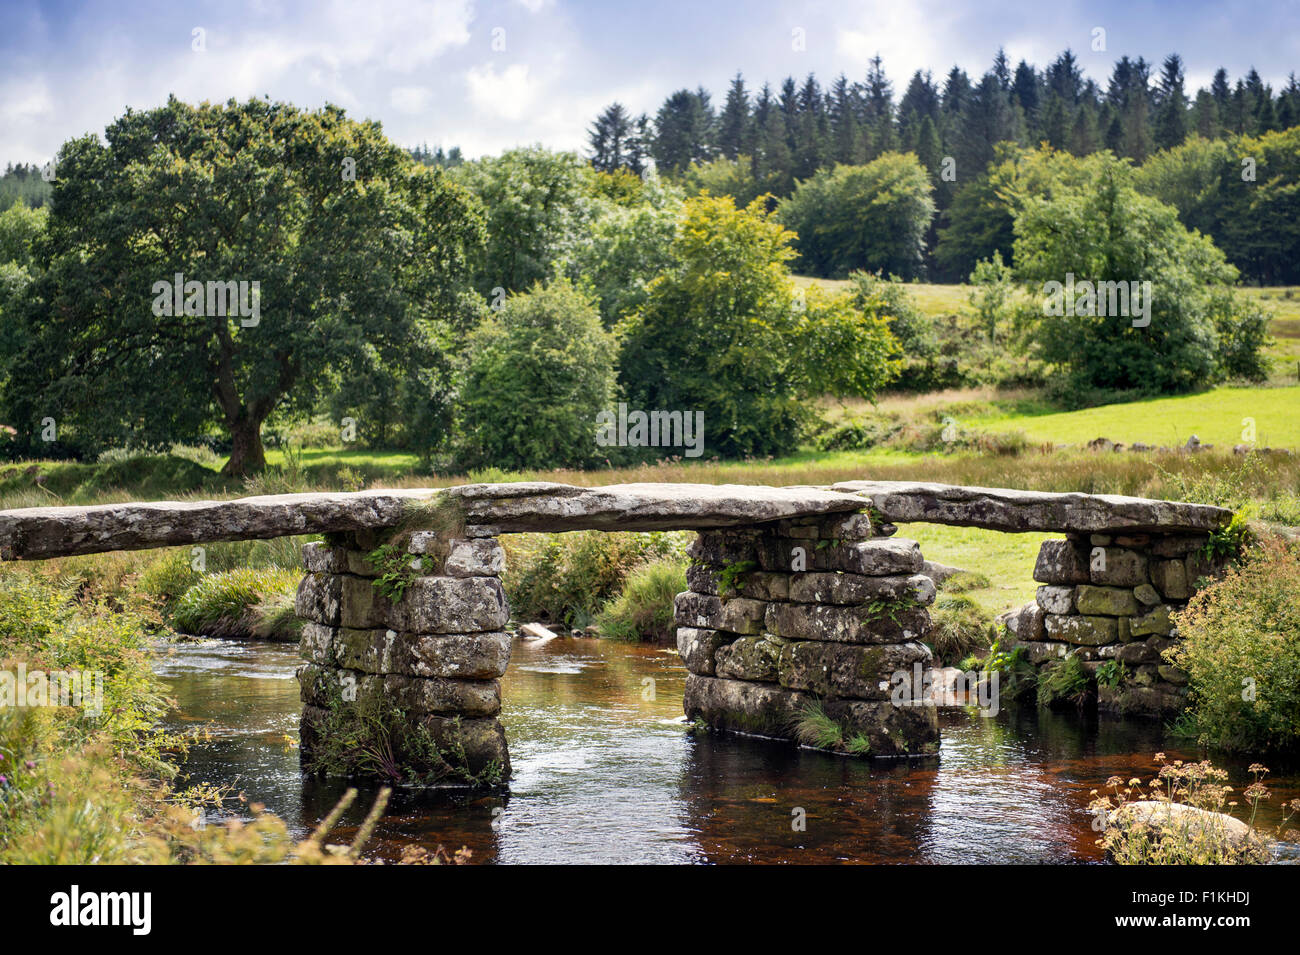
x: 1104, y: 230
x: 815, y: 727
x: 222, y: 604
x: 538, y: 376
x: 857, y: 434
x: 1241, y: 651
x: 643, y: 609
x: 568, y: 578
x: 170, y: 576
x: 888, y: 299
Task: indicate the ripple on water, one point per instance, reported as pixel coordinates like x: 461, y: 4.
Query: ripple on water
x: 606, y: 771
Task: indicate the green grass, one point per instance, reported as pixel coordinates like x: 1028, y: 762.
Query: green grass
x: 1216, y: 417
x: 643, y: 608
x: 227, y: 603
x: 1006, y: 560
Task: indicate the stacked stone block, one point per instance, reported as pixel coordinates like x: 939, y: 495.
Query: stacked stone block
x: 1112, y: 597
x: 437, y: 653
x: 810, y: 611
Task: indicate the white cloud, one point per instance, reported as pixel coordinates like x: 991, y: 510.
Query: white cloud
x: 411, y: 100
x: 24, y: 100
x: 507, y: 95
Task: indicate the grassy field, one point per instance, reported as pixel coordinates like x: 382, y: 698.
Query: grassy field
x: 1216, y: 417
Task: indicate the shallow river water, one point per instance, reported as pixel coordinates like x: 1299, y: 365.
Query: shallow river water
x: 605, y: 770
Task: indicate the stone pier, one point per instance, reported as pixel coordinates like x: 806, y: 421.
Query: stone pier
x: 426, y: 664
x: 807, y: 616
x: 1109, y: 600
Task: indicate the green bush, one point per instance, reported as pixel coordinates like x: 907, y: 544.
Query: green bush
x: 568, y: 578
x: 643, y: 609
x: 539, y: 373
x: 170, y: 576
x: 222, y: 604
x: 1241, y: 651
x: 1063, y: 680
x: 857, y: 434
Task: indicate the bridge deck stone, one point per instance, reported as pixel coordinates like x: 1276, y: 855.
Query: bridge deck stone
x: 38, y: 532
x: 1004, y: 509
x: 489, y: 509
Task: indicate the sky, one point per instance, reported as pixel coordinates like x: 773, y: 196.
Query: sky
x: 486, y: 76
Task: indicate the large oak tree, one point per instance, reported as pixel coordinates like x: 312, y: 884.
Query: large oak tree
x: 358, y: 250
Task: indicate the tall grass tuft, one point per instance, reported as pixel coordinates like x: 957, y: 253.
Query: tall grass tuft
x: 225, y: 604
x: 643, y: 609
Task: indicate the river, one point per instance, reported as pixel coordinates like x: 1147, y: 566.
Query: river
x: 606, y: 771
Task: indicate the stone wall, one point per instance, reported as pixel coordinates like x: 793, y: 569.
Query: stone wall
x: 1112, y: 597
x: 436, y: 654
x: 801, y: 612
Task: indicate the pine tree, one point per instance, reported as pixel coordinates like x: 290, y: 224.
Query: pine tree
x: 683, y: 131
x: 735, y: 127
x: 845, y: 125
x: 812, y: 130
x: 1065, y: 78
x: 1171, y: 108
x: 1057, y: 123
x: 879, y: 97
x: 1084, y: 136
x: 771, y: 161
x: 928, y: 148
x: 1025, y: 94
x: 1002, y: 70
x: 609, y: 137
x: 1261, y: 102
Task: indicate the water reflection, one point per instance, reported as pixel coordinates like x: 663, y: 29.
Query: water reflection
x: 605, y: 771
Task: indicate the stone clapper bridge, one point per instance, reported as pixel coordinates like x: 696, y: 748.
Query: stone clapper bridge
x: 797, y: 596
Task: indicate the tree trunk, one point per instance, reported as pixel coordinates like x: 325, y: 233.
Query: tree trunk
x: 246, y: 453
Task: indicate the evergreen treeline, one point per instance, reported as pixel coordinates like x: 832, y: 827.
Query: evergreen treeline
x: 788, y: 134
x: 23, y: 183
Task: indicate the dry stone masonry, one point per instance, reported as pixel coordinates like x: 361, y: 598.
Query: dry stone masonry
x: 1112, y: 597
x: 813, y: 612
x: 798, y: 602
x: 436, y: 654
